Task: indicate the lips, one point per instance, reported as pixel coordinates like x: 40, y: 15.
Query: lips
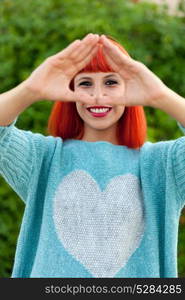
x: 99, y: 111
x: 98, y: 107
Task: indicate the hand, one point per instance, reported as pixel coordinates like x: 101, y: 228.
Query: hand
x: 52, y: 78
x: 142, y: 87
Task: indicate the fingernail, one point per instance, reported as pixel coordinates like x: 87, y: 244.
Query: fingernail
x: 89, y: 34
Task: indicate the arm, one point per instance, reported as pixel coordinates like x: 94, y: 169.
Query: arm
x: 50, y: 80
x: 142, y: 86
x: 173, y: 104
x: 23, y: 153
x: 14, y: 102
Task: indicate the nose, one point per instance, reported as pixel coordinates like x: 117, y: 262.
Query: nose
x: 99, y: 94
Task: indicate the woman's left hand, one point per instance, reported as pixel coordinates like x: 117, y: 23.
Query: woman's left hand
x: 142, y: 86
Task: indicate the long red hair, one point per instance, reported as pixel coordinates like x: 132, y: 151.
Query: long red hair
x: 65, y: 122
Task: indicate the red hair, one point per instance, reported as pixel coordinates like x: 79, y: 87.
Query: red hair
x: 65, y: 122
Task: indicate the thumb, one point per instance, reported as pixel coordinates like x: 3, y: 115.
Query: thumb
x: 83, y: 97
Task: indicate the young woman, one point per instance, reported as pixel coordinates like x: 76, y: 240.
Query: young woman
x: 100, y: 201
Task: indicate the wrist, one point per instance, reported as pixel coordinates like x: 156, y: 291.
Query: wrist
x: 163, y: 99
x: 173, y: 104
x: 30, y: 95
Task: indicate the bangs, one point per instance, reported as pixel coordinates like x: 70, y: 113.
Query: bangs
x: 98, y: 63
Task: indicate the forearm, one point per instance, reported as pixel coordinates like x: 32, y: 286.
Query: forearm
x: 173, y: 104
x: 15, y: 101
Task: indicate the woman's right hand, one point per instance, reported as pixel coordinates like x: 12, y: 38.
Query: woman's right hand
x: 52, y: 78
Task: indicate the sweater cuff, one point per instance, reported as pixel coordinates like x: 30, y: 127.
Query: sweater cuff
x: 4, y: 136
x: 179, y: 167
x: 4, y: 129
x: 182, y: 128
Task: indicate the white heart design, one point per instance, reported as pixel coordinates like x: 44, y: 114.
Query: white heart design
x: 101, y: 229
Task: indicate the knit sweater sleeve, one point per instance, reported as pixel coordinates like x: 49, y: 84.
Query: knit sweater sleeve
x: 178, y: 163
x: 21, y: 155
x: 173, y: 164
x: 163, y: 167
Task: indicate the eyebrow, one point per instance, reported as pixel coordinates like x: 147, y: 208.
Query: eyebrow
x: 110, y: 75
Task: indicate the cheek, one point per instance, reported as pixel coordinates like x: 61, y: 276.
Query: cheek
x: 80, y: 109
x: 120, y: 111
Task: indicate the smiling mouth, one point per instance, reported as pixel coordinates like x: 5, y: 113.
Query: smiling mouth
x: 99, y: 111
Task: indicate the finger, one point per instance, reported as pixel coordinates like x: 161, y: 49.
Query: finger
x: 81, y: 64
x: 85, y: 47
x: 111, y: 63
x: 69, y: 49
x: 86, y: 51
x: 77, y: 46
x: 84, y: 97
x: 115, y: 53
x: 71, y: 96
x: 125, y: 71
x: 90, y: 35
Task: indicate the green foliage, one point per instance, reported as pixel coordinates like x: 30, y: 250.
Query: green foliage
x: 30, y: 31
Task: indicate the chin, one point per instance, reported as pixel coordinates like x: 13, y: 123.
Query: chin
x: 100, y: 127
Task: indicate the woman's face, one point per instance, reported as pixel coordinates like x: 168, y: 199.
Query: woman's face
x: 102, y: 86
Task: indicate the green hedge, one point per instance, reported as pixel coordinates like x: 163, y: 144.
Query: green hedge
x: 30, y: 31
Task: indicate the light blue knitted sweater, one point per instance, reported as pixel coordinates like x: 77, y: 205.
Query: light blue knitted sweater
x: 94, y: 209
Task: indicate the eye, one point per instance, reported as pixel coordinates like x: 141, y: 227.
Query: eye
x: 111, y: 82
x: 108, y: 82
x: 87, y: 83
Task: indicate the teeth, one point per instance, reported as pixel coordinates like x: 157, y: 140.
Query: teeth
x: 99, y: 110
